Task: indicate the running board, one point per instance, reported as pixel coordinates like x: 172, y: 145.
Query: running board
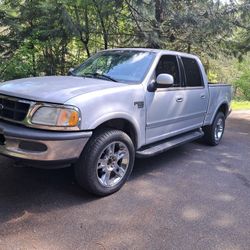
x: 165, y: 145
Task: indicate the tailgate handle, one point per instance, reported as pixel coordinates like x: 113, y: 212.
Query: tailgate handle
x: 179, y: 99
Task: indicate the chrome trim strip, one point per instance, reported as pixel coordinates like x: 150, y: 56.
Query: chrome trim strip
x: 16, y: 99
x: 179, y: 88
x: 212, y: 85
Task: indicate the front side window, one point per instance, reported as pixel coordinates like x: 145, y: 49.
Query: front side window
x: 192, y: 72
x: 126, y: 66
x: 168, y: 65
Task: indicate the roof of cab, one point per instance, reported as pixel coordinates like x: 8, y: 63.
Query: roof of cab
x: 158, y: 51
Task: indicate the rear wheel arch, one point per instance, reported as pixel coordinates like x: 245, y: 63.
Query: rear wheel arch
x: 224, y: 108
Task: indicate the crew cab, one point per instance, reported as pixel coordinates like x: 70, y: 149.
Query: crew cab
x: 119, y: 104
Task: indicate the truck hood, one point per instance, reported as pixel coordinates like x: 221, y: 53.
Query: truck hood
x: 54, y: 89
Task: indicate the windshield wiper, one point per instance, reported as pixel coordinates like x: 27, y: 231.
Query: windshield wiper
x: 97, y: 75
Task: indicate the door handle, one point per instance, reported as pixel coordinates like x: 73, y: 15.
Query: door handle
x: 179, y: 99
x: 202, y: 96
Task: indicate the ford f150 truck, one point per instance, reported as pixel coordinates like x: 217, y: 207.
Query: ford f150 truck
x: 118, y: 104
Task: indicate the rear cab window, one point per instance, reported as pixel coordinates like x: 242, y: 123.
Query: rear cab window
x: 192, y: 72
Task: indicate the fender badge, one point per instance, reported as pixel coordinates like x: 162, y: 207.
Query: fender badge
x: 140, y: 105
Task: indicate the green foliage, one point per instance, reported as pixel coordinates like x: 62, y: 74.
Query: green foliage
x: 222, y: 69
x: 47, y: 37
x: 240, y: 105
x: 242, y: 45
x: 231, y: 70
x: 242, y: 84
x: 54, y: 35
x: 191, y: 26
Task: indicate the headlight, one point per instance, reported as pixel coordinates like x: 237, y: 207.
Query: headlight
x: 56, y: 116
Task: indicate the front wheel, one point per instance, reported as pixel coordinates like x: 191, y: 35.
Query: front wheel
x: 213, y: 133
x: 106, y: 162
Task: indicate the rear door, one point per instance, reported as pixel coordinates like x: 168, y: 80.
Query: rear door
x: 196, y: 95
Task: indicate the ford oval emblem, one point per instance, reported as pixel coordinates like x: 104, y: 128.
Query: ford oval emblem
x: 1, y: 107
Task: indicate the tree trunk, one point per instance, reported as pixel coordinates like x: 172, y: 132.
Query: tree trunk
x: 83, y: 38
x: 159, y: 11
x: 104, y: 31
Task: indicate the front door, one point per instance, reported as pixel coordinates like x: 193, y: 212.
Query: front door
x: 165, y: 105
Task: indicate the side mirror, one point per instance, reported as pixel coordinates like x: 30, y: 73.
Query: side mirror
x: 164, y: 81
x: 70, y: 71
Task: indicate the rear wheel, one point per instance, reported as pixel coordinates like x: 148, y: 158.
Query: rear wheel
x: 106, y: 162
x: 214, y: 132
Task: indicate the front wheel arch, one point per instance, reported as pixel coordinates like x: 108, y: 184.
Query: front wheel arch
x: 123, y: 125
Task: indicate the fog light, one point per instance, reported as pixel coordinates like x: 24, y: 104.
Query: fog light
x: 32, y: 146
x: 2, y: 139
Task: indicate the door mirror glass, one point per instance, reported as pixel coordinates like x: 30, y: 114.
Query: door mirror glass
x: 164, y: 80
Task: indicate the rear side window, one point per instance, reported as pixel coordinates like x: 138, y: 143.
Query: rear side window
x: 192, y: 71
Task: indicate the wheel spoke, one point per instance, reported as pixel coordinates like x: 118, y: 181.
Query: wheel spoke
x: 111, y: 149
x: 102, y: 163
x: 107, y: 177
x: 119, y: 171
x: 120, y: 154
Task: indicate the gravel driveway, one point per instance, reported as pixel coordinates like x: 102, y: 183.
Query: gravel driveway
x: 192, y: 197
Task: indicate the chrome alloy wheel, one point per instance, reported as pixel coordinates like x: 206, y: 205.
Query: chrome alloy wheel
x: 112, y: 164
x: 219, y: 128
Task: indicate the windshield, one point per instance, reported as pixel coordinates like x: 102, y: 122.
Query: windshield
x: 128, y: 66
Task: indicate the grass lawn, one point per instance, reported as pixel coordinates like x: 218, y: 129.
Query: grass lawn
x: 240, y: 105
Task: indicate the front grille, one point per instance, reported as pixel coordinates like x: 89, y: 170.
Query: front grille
x: 13, y: 109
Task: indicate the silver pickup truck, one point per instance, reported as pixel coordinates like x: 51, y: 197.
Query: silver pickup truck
x: 118, y: 104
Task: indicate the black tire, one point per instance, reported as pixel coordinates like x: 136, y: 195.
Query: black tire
x: 86, y: 172
x: 210, y: 131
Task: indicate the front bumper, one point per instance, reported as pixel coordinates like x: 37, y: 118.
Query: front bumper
x: 40, y: 145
